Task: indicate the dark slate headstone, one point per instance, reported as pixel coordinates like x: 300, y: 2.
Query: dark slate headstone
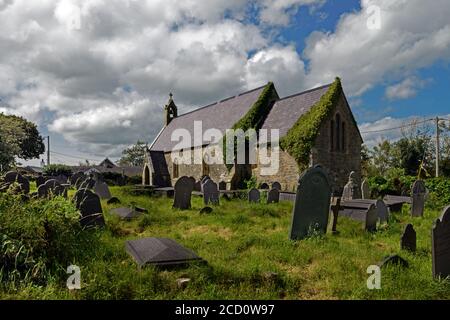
x: 441, y: 245
x: 409, y: 239
x: 15, y: 177
x: 264, y: 186
x: 351, y: 190
x: 382, y: 211
x: 276, y: 185
x: 418, y: 198
x: 159, y: 252
x: 210, y: 192
x: 102, y: 190
x: 51, y: 188
x: 335, y: 208
x: 222, y: 185
x: 273, y: 196
x: 183, y: 192
x: 125, y: 213
x: 203, y: 181
x: 88, y: 203
x: 62, y: 179
x: 365, y: 190
x: 198, y: 186
x: 206, y: 210
x: 254, y: 196
x: 77, y: 176
x: 89, y: 183
x: 40, y: 180
x: 394, y: 260
x: 312, y: 204
x: 113, y: 200
x: 93, y: 221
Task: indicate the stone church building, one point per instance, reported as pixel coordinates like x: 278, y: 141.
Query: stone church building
x: 335, y: 139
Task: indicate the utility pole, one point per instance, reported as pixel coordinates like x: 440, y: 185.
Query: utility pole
x: 48, y: 150
x: 437, y: 147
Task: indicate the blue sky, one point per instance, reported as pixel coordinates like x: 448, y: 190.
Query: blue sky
x: 95, y: 75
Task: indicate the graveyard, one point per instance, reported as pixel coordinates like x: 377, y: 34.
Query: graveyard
x: 243, y: 247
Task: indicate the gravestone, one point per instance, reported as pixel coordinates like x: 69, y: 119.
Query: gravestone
x: 90, y: 207
x: 75, y: 177
x: 210, y: 193
x: 183, y: 191
x: 441, y: 245
x: 198, y: 186
x: 113, y: 200
x: 312, y: 204
x: 382, y: 211
x: 206, y: 210
x: 102, y: 190
x: 40, y: 180
x: 363, y: 212
x: 273, y: 196
x: 351, y: 190
x: 222, y: 185
x: 203, y: 181
x: 395, y: 260
x: 365, y: 190
x: 15, y: 177
x: 409, y: 239
x: 254, y: 196
x: 159, y: 252
x: 276, y: 185
x: 89, y: 183
x: 62, y: 179
x: 51, y: 188
x: 418, y: 198
x: 335, y: 208
x: 192, y: 180
x: 264, y: 186
x: 125, y: 213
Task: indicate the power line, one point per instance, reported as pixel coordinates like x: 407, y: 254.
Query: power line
x: 400, y: 127
x: 72, y: 156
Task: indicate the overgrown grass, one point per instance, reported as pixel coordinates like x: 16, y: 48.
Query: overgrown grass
x: 242, y: 243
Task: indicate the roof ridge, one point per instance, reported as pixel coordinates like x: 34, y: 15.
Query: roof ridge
x: 304, y: 92
x: 220, y: 101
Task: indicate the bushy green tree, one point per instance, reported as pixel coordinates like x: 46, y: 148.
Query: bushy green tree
x: 54, y: 170
x: 134, y: 155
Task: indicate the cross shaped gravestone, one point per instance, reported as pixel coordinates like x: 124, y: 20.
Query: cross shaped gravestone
x: 182, y: 193
x: 312, y: 204
x: 210, y: 192
x: 409, y: 239
x: 273, y: 196
x: 254, y: 196
x: 441, y: 245
x: 418, y: 198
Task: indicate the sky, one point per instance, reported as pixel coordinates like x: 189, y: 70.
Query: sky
x: 96, y: 74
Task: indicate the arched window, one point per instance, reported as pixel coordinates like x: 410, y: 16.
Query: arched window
x: 344, y: 140
x: 338, y: 132
x: 332, y: 135
x: 175, y: 171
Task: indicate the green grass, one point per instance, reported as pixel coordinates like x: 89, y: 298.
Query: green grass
x: 241, y: 243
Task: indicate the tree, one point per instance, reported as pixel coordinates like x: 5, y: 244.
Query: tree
x: 134, y: 155
x: 18, y: 138
x: 382, y: 158
x: 54, y: 170
x: 412, y: 152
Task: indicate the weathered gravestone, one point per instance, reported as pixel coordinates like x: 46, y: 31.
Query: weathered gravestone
x: 15, y: 177
x: 418, y: 198
x: 40, y: 180
x: 51, y: 188
x: 210, y: 193
x: 203, y: 181
x: 409, y: 239
x: 365, y: 190
x: 102, y: 190
x: 62, y: 179
x: 335, y: 207
x: 276, y: 185
x: 351, y: 190
x: 264, y: 186
x: 273, y: 196
x: 254, y: 196
x: 113, y: 200
x: 441, y: 245
x: 90, y: 207
x: 183, y: 192
x: 89, y: 183
x: 312, y: 204
x: 75, y: 177
x: 125, y: 213
x: 198, y: 186
x: 159, y: 252
x: 222, y: 185
x: 360, y: 211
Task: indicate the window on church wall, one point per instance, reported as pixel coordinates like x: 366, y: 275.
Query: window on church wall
x: 338, y: 133
x: 332, y: 135
x: 344, y: 138
x: 205, y: 168
x: 175, y: 170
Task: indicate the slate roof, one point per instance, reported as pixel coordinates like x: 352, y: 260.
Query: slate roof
x: 221, y: 115
x: 286, y: 111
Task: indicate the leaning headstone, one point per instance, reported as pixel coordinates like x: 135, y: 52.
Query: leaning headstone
x: 351, y: 190
x: 312, y: 204
x: 15, y: 177
x: 276, y: 185
x: 159, y: 252
x: 264, y: 186
x: 125, y: 213
x: 273, y: 196
x: 441, y: 245
x: 254, y: 196
x: 183, y: 192
x: 418, y: 198
x: 102, y: 190
x: 90, y: 207
x: 365, y: 190
x: 210, y: 192
x: 409, y: 239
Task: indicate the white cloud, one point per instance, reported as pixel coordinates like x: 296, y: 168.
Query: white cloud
x: 406, y: 89
x: 279, y: 12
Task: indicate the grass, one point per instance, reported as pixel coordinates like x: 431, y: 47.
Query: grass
x: 242, y: 243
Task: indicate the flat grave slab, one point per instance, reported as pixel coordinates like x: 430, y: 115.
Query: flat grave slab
x: 159, y: 252
x: 125, y: 213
